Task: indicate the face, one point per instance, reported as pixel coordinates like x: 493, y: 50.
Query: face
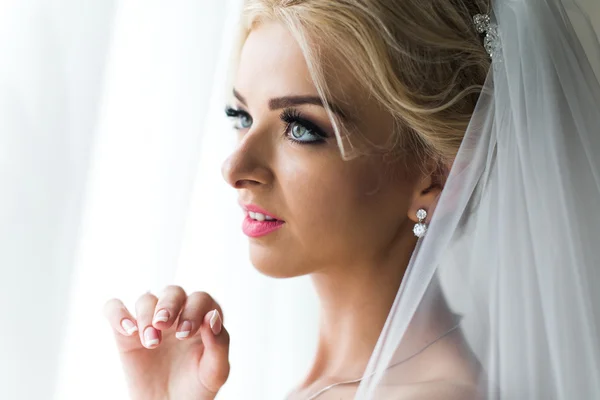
x: 329, y: 212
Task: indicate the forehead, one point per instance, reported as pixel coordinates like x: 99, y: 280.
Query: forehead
x: 272, y: 64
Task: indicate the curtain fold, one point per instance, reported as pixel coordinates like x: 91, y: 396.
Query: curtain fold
x: 111, y: 138
x: 51, y: 72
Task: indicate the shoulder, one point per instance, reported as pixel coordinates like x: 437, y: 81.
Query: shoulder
x: 442, y: 390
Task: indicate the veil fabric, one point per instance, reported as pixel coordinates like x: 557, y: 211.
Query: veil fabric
x: 513, y: 247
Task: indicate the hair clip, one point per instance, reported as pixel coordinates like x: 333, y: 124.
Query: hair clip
x: 483, y: 24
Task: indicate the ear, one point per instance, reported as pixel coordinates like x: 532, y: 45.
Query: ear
x: 426, y: 193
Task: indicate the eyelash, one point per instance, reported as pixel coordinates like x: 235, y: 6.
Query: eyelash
x: 232, y: 113
x: 289, y: 116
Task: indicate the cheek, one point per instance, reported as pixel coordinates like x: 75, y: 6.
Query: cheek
x: 343, y: 208
x: 325, y: 189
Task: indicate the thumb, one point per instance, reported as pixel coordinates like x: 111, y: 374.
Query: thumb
x: 214, y: 365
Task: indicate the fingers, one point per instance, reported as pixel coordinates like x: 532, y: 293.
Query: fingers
x: 168, y: 307
x: 197, y: 306
x: 119, y: 317
x: 214, y: 335
x: 153, y: 316
x: 144, y: 310
x: 216, y: 354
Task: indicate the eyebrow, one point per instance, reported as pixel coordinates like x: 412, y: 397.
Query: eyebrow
x: 290, y: 101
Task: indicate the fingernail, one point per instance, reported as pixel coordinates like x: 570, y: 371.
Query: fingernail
x: 184, y: 330
x: 129, y: 326
x: 150, y: 337
x: 161, y: 316
x: 215, y: 322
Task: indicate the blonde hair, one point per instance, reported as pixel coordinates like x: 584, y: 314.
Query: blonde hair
x: 421, y: 60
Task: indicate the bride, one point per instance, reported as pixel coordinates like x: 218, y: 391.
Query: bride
x: 433, y: 165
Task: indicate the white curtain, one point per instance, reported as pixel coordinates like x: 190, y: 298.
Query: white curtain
x: 111, y: 139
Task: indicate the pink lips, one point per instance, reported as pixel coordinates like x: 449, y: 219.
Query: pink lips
x: 254, y: 228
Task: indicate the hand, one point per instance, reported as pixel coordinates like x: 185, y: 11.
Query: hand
x: 176, y: 349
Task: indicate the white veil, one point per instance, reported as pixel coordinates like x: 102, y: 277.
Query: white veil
x: 513, y: 247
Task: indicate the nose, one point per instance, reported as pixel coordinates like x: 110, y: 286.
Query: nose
x: 248, y: 165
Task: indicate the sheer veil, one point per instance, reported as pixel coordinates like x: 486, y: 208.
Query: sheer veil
x: 513, y: 248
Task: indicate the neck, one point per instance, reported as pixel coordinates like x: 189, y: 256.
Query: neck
x: 355, y: 302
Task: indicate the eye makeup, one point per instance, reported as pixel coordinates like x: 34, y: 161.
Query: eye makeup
x: 298, y: 129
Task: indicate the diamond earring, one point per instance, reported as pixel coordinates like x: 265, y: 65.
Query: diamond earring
x: 421, y: 227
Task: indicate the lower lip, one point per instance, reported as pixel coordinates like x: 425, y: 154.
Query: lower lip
x: 254, y: 228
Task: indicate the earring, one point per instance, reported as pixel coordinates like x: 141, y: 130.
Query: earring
x: 421, y: 227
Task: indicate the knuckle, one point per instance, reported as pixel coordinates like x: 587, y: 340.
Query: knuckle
x: 173, y: 290
x: 201, y: 297
x: 198, y: 304
x: 110, y: 306
x: 204, y: 298
x: 143, y: 300
x: 139, y: 302
x: 172, y: 297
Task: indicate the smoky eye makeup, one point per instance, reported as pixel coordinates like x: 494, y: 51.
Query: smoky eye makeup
x: 241, y: 118
x: 298, y: 128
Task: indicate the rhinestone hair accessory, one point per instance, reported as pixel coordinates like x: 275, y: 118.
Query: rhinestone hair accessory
x: 420, y: 227
x: 484, y: 25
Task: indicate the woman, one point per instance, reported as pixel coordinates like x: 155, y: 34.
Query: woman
x: 350, y: 115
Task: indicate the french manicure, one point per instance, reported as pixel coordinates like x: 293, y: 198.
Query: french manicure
x: 184, y: 330
x: 215, y: 322
x: 161, y: 316
x: 150, y: 337
x: 129, y: 326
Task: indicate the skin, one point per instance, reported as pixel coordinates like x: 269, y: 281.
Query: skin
x: 347, y: 223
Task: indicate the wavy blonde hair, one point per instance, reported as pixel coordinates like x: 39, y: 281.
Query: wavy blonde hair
x: 421, y: 60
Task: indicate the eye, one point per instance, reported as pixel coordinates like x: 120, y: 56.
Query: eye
x: 242, y: 120
x: 245, y: 121
x: 300, y: 130
x: 301, y: 133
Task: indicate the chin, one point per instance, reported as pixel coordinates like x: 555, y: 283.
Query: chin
x: 268, y: 262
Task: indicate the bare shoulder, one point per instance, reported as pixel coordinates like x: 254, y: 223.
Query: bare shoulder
x: 442, y: 390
